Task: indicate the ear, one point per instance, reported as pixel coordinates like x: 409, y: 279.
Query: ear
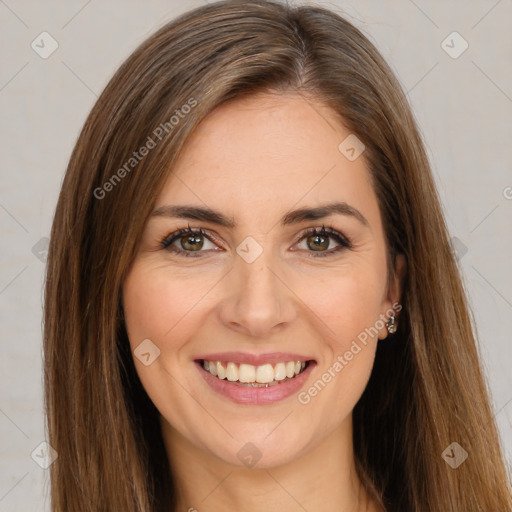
x: 391, y: 303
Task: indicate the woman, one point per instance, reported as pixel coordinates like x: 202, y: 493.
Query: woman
x: 251, y: 300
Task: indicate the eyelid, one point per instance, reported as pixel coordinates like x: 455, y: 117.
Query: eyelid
x: 323, y: 231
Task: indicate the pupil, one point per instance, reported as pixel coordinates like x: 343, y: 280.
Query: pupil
x: 194, y: 241
x: 319, y: 245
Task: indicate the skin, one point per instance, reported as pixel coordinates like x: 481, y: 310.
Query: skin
x: 254, y: 160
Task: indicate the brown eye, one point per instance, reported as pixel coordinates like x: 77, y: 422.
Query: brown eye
x: 186, y: 242
x: 318, y: 241
x: 191, y: 242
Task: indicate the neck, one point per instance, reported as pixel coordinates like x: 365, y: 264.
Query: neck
x: 322, y: 479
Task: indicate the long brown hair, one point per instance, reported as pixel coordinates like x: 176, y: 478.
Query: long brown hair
x: 426, y: 389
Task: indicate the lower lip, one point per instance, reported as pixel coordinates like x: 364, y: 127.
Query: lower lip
x: 256, y: 396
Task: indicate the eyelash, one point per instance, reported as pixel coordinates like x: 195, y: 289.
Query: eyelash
x: 344, y: 242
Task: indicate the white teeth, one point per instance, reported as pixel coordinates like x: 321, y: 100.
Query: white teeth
x: 221, y: 373
x: 232, y: 372
x: 280, y: 371
x: 264, y: 374
x: 248, y: 373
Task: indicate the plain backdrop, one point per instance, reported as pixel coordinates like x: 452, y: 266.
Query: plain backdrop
x: 461, y: 99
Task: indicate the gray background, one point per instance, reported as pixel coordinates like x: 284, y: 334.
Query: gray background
x: 463, y: 105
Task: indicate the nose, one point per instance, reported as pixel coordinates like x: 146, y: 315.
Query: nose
x: 257, y: 301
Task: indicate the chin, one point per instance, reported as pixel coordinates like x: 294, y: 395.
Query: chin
x: 261, y: 450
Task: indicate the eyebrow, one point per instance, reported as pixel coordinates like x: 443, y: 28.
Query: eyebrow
x: 293, y: 217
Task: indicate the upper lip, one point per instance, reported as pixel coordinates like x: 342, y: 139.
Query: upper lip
x: 254, y: 359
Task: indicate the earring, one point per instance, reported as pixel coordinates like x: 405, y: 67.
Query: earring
x: 391, y: 325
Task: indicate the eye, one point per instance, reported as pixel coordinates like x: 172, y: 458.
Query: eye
x: 187, y: 242
x: 190, y: 241
x: 319, y: 241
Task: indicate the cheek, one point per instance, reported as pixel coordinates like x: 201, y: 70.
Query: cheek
x: 348, y: 303
x: 161, y: 308
x: 349, y: 308
x: 156, y: 302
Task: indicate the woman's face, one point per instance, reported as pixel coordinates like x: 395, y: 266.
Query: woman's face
x: 257, y: 292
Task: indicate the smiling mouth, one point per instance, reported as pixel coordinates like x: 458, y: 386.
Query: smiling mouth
x: 248, y: 375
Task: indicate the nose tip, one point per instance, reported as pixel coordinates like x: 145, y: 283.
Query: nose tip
x: 258, y: 302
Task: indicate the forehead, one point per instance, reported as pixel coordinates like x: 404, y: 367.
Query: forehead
x: 266, y: 153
